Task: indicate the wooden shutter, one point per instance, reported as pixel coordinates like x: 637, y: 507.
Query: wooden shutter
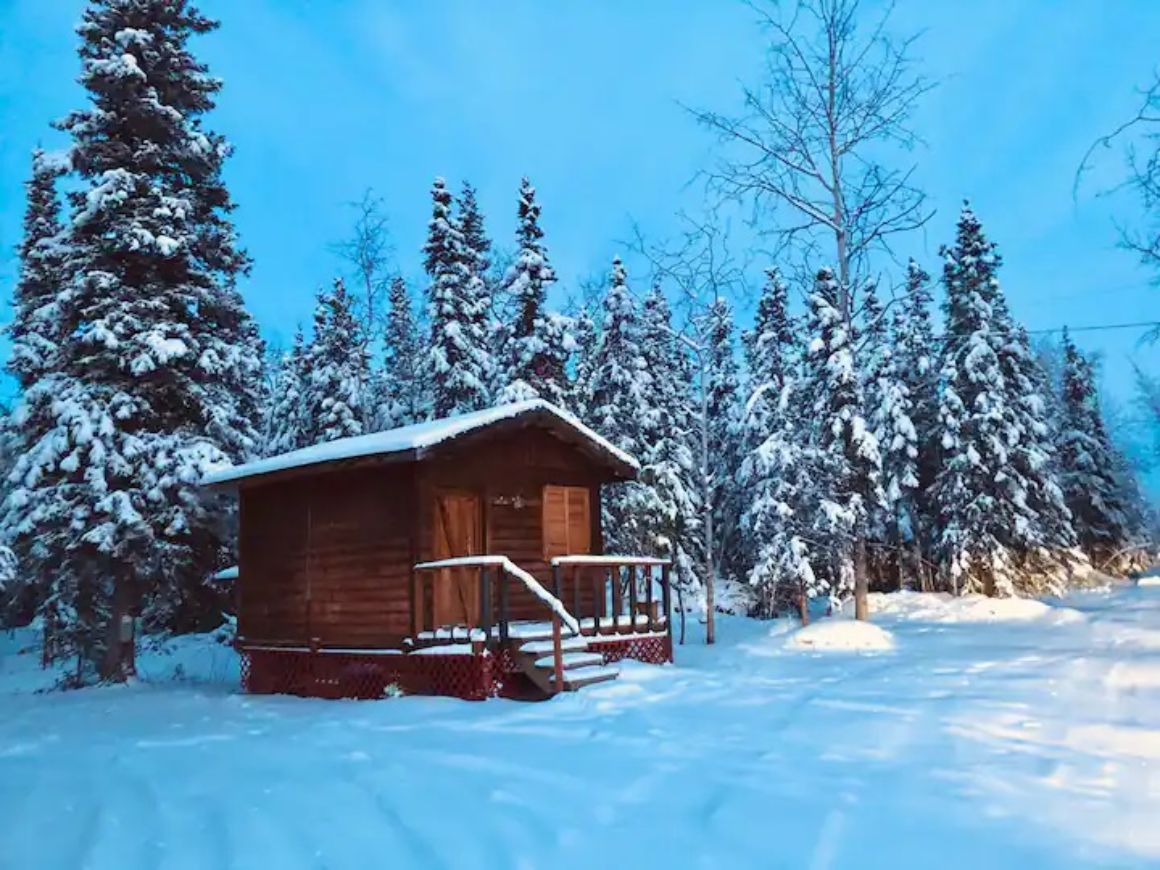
x: 567, y: 521
x: 579, y: 524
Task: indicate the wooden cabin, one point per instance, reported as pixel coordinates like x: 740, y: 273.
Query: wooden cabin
x: 460, y: 556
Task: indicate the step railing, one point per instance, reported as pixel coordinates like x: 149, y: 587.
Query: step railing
x: 500, y: 571
x: 615, y: 583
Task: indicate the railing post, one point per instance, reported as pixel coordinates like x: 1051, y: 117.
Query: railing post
x: 632, y: 595
x: 576, y: 593
x: 617, y: 598
x: 597, y: 598
x: 666, y: 597
x: 485, y: 603
x: 557, y: 654
x: 556, y: 582
x: 503, y: 605
x: 648, y: 598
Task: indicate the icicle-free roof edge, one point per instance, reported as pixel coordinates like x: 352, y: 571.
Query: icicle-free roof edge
x: 414, y: 438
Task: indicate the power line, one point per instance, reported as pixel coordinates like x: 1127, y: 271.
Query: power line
x: 1142, y: 324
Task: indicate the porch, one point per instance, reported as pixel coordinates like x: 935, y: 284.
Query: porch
x: 620, y: 608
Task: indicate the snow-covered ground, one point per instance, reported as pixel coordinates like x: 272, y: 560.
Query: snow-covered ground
x: 995, y: 740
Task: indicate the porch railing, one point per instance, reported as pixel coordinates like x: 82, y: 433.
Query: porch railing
x: 495, y: 574
x: 621, y: 592
x: 500, y: 570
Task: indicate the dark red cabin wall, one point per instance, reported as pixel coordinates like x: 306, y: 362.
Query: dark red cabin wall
x: 329, y: 557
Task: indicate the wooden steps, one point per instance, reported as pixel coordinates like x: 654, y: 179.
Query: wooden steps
x: 579, y: 667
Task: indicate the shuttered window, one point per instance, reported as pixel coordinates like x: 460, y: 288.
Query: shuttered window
x: 567, y: 521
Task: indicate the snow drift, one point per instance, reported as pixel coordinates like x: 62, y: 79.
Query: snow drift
x: 942, y: 607
x: 841, y: 635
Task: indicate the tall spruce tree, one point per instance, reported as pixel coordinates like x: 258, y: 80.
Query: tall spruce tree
x: 404, y: 398
x: 724, y: 412
x: 334, y: 400
x: 619, y: 392
x: 916, y: 362
x: 539, y: 342
x: 852, y: 484
x: 478, y: 312
x: 771, y: 353
x: 1045, y: 548
x: 1090, y: 478
x: 668, y: 464
x: 457, y: 306
x: 38, y: 300
x: 976, y: 496
x: 889, y: 410
x: 158, y: 377
x: 779, y: 470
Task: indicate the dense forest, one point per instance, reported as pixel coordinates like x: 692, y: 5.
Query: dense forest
x: 878, y: 423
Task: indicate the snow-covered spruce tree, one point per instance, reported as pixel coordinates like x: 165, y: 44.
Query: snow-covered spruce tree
x: 785, y: 480
x: 35, y: 334
x: 889, y: 409
x: 1046, y: 548
x: 587, y: 339
x: 404, y: 399
x: 287, y: 425
x: 724, y: 413
x: 620, y: 389
x: 478, y: 289
x: 771, y: 353
x: 915, y: 356
x: 40, y: 285
x: 852, y: 487
x: 1091, y: 484
x: 334, y: 401
x: 672, y: 514
x: 158, y: 377
x: 539, y: 342
x: 457, y: 306
x: 976, y: 498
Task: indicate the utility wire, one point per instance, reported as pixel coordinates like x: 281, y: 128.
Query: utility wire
x: 1143, y: 324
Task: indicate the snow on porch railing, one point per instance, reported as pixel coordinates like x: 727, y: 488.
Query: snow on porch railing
x: 622, y: 575
x: 506, y: 567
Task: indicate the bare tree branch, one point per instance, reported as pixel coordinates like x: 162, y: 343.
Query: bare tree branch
x: 811, y: 136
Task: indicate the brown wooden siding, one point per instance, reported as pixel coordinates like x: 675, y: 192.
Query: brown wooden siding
x: 328, y: 558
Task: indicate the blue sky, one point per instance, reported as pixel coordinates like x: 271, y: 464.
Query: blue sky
x: 324, y: 99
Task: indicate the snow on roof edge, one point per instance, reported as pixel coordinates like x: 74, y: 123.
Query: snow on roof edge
x: 413, y: 437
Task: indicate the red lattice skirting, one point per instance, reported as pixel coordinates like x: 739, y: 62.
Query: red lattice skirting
x: 366, y: 675
x: 654, y: 649
x: 369, y: 675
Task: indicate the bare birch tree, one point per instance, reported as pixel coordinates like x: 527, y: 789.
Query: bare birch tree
x: 700, y: 270
x: 369, y: 252
x: 812, y: 137
x: 807, y: 153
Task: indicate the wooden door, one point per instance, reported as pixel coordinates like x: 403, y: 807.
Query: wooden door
x: 458, y: 532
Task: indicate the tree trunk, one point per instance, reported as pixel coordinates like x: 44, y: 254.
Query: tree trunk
x: 119, y: 663
x: 804, y: 607
x: 861, y: 586
x: 707, y: 489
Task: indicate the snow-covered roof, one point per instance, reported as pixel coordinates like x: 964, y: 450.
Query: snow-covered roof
x: 421, y: 436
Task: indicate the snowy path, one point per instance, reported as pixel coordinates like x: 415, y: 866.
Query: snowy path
x: 1020, y: 744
